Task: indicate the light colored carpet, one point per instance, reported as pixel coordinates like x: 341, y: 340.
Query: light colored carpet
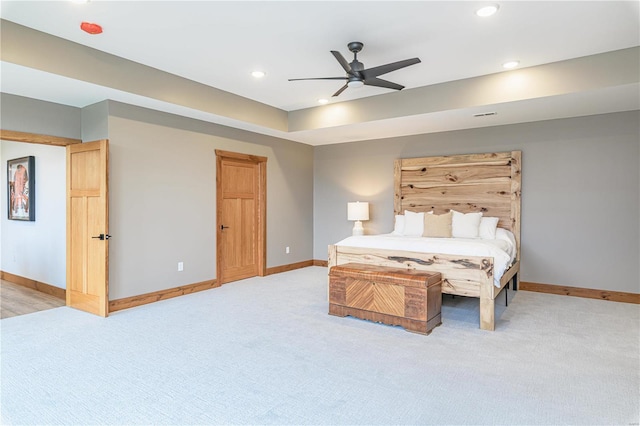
x: 265, y: 351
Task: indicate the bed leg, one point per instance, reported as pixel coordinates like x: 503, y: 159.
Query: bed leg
x: 487, y: 308
x: 515, y: 282
x: 506, y: 295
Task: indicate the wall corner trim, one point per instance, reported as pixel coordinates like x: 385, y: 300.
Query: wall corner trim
x: 143, y: 299
x: 49, y: 289
x: 289, y: 267
x: 613, y: 296
x: 14, y: 136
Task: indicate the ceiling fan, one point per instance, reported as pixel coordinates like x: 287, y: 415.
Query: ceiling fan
x: 357, y: 75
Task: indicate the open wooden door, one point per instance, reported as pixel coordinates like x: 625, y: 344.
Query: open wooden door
x: 88, y: 227
x: 240, y: 197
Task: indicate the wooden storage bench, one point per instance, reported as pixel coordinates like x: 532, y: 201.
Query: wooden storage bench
x: 394, y: 296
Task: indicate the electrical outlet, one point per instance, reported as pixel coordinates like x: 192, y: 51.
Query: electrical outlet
x: 286, y: 250
x: 180, y: 266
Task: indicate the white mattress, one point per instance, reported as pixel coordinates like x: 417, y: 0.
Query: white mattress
x: 502, y: 249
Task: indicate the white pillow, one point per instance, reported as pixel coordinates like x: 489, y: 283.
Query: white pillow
x: 398, y: 227
x: 413, y: 224
x: 488, y: 226
x: 506, y: 235
x: 465, y: 225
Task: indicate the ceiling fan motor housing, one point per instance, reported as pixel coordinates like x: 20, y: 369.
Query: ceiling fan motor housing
x: 356, y: 66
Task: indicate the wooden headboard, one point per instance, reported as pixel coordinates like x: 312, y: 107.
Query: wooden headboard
x: 488, y: 183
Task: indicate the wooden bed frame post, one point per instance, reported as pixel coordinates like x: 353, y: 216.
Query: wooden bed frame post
x: 487, y: 306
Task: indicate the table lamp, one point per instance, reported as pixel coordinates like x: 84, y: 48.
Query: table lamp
x: 358, y: 211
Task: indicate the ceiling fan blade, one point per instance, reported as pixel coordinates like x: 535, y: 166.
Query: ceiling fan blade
x: 382, y: 83
x: 342, y: 89
x: 383, y: 69
x: 319, y: 78
x: 342, y: 61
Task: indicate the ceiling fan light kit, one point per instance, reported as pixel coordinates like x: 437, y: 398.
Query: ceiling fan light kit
x: 357, y: 75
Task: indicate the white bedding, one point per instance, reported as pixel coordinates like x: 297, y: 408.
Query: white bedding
x: 502, y: 249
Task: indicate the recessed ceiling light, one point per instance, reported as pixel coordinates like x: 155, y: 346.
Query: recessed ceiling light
x: 323, y: 101
x: 511, y: 64
x: 487, y: 10
x: 258, y: 74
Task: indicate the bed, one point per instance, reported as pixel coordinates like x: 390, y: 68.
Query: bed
x: 489, y: 183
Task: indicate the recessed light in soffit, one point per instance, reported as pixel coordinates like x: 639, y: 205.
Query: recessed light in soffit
x: 487, y: 10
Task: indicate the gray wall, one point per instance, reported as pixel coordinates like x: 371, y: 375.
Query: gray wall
x: 581, y: 186
x: 95, y: 122
x: 162, y: 189
x: 34, y: 116
x: 162, y: 202
x: 580, y: 193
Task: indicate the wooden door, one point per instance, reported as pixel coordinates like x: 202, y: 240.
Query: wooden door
x: 88, y: 227
x: 240, y: 186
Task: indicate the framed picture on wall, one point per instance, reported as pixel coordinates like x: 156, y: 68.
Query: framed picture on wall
x: 21, y: 191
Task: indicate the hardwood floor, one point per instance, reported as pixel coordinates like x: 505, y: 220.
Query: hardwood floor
x: 18, y: 300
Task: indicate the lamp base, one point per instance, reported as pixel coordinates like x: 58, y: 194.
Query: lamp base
x: 357, y: 228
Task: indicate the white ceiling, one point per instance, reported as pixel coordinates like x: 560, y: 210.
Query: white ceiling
x: 219, y: 43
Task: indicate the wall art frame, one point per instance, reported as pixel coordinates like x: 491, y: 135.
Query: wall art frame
x: 21, y: 189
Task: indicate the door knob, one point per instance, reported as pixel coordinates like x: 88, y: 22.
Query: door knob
x: 103, y: 237
x: 222, y: 227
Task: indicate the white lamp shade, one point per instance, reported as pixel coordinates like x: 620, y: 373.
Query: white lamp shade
x: 358, y: 211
